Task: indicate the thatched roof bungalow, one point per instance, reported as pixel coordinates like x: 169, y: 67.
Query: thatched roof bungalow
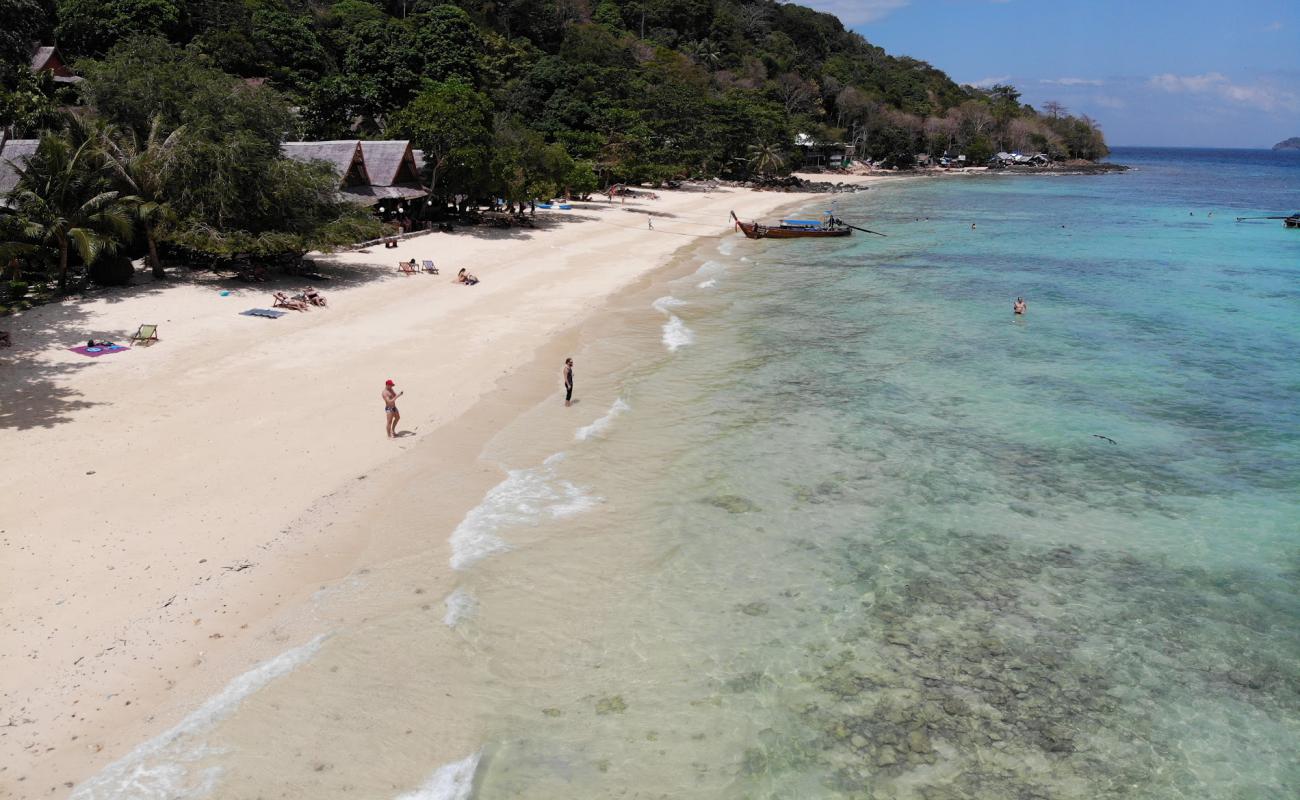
x: 13, y: 153
x: 371, y: 171
x: 46, y: 58
x: 344, y: 156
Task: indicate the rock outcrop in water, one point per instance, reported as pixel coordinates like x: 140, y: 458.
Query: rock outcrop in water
x: 1288, y: 144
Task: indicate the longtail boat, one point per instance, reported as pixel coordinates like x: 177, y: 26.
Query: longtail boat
x: 1292, y: 221
x: 794, y: 229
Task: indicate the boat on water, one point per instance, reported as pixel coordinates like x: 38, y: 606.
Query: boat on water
x: 1292, y: 221
x: 794, y: 228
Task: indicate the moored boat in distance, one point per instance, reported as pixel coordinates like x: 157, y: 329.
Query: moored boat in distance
x: 794, y: 228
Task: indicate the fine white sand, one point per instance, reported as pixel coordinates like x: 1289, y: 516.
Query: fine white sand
x: 151, y: 520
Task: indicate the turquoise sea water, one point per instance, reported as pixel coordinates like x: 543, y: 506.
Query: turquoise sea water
x: 860, y: 537
x: 828, y: 522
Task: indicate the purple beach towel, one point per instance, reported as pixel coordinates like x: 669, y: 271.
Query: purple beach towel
x: 96, y: 352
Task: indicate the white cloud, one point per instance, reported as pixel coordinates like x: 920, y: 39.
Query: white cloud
x: 988, y: 83
x: 857, y: 12
x: 1072, y: 81
x: 1259, y: 96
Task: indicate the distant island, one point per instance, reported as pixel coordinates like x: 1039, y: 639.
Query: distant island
x: 1288, y: 144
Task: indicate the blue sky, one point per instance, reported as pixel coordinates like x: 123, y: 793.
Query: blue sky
x: 1152, y: 72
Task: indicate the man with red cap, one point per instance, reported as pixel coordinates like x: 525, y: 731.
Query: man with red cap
x: 390, y: 408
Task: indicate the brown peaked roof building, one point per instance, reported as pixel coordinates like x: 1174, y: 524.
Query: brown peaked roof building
x: 13, y: 153
x: 46, y: 58
x: 370, y: 171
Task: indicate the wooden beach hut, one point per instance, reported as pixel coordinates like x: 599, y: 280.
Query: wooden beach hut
x: 46, y: 58
x: 344, y: 156
x: 395, y: 187
x: 14, y: 154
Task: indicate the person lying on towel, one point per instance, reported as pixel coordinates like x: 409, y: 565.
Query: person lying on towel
x: 466, y: 278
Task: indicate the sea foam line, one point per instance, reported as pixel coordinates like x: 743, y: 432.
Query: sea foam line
x: 676, y: 334
x: 523, y: 498
x: 156, y: 768
x: 664, y: 303
x: 709, y: 284
x: 461, y: 605
x: 454, y: 781
x: 601, y: 425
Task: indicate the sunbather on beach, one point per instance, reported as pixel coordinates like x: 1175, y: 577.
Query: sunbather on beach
x: 466, y: 278
x: 391, y: 414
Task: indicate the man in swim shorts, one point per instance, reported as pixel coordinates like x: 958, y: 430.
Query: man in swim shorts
x: 390, y: 408
x: 1019, y: 306
x: 568, y: 382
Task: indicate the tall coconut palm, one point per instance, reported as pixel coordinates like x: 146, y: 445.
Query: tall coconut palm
x: 62, y: 202
x: 141, y: 171
x: 765, y: 157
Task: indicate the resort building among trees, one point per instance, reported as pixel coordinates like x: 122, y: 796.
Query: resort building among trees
x: 370, y: 173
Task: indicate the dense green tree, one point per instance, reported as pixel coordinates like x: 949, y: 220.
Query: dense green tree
x: 92, y: 27
x: 452, y: 124
x: 287, y: 45
x: 29, y: 103
x: 64, y: 203
x: 142, y: 171
x: 25, y: 21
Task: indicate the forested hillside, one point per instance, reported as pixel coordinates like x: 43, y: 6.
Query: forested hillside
x: 641, y: 89
x: 170, y: 130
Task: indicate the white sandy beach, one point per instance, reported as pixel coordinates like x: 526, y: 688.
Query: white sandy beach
x: 152, y: 534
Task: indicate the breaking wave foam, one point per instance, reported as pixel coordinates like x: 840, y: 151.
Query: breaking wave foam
x: 709, y: 284
x: 158, y: 769
x: 676, y: 334
x: 664, y: 303
x: 461, y: 605
x: 454, y: 781
x: 601, y: 425
x: 523, y: 498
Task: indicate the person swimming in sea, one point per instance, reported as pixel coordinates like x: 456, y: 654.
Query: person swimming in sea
x: 1019, y: 306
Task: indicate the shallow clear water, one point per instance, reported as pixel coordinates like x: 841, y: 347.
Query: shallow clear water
x: 830, y: 522
x: 861, y: 538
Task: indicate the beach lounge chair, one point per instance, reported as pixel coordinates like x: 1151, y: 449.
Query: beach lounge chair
x: 429, y: 267
x: 146, y: 334
x: 283, y: 301
x: 406, y: 268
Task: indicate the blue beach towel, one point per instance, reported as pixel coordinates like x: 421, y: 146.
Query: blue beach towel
x: 263, y: 312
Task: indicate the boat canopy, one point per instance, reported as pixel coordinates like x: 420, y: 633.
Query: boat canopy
x: 801, y: 223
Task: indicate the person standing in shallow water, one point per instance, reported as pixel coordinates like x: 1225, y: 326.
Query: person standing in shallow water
x: 568, y: 382
x: 1019, y: 306
x: 391, y: 414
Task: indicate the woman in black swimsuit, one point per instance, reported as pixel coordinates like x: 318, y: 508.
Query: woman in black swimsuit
x: 568, y: 382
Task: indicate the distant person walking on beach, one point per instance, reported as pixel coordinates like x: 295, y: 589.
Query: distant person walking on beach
x: 568, y: 382
x: 650, y: 222
x: 391, y: 414
x: 1019, y: 306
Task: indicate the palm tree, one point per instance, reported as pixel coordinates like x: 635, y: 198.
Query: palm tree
x: 765, y: 157
x: 141, y: 172
x: 61, y: 202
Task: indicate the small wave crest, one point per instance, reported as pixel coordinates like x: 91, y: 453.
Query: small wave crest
x: 727, y: 246
x: 523, y: 498
x: 664, y: 303
x: 601, y: 425
x: 454, y: 781
x: 676, y: 334
x: 158, y: 768
x: 709, y: 284
x: 461, y: 605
